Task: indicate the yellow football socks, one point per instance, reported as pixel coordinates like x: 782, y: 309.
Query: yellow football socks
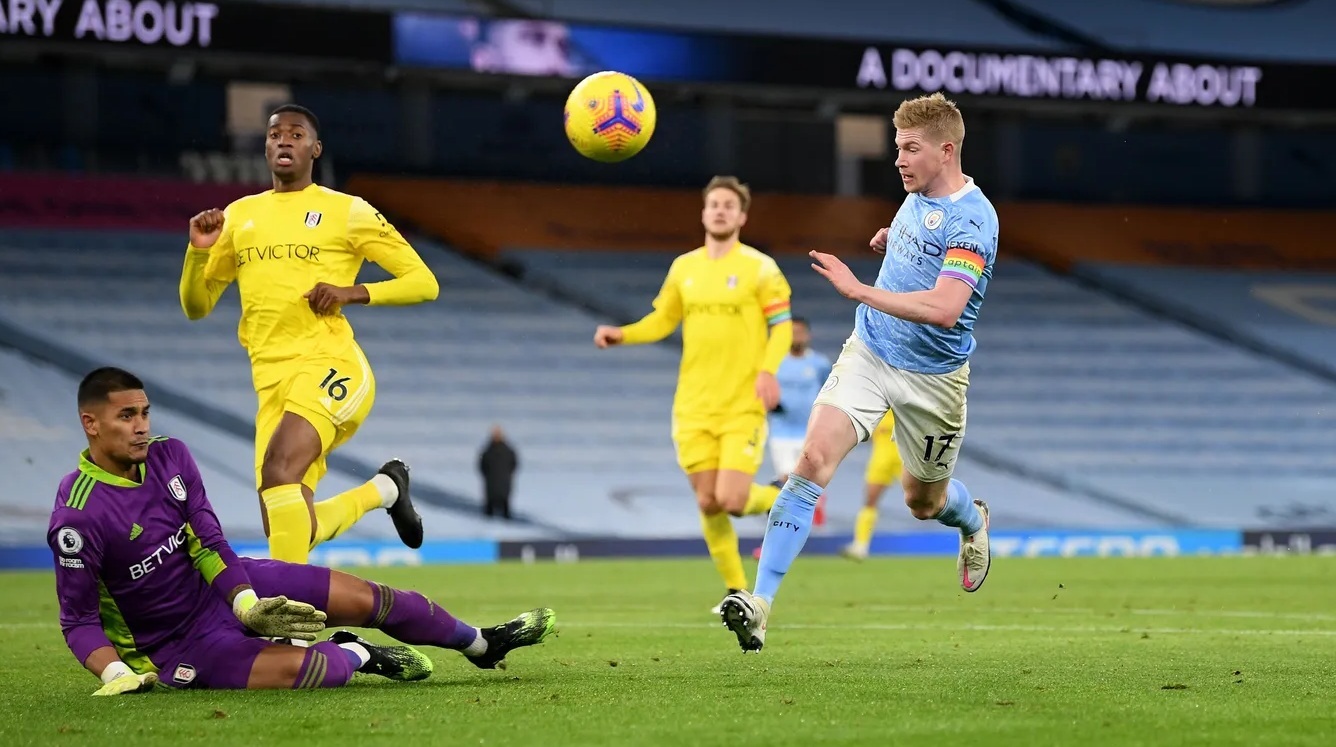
x: 337, y: 515
x: 722, y: 543
x: 760, y: 499
x: 864, y: 525
x: 289, y: 523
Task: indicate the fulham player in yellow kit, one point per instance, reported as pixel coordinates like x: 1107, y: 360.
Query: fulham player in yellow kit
x: 733, y: 304
x: 294, y: 252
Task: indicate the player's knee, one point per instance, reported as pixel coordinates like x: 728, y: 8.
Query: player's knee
x: 354, y: 601
x: 816, y: 463
x: 281, y: 467
x: 919, y: 508
x: 735, y: 502
x: 707, y: 503
x: 293, y: 666
x: 278, y: 666
x: 924, y: 503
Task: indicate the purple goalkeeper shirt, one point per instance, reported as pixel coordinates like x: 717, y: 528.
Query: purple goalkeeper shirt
x: 135, y: 560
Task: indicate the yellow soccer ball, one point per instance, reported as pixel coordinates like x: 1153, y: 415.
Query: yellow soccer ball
x: 609, y: 117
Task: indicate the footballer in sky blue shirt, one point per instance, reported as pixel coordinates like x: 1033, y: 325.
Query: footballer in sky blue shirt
x: 800, y: 377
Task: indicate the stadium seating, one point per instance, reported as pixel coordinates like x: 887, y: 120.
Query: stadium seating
x: 1072, y: 385
x: 40, y: 441
x: 130, y: 281
x: 1291, y: 311
x: 591, y: 427
x: 1085, y: 411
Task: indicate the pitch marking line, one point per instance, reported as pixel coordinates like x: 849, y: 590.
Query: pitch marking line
x: 967, y: 628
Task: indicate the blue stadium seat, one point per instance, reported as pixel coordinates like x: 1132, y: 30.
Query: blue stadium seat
x: 1072, y: 384
x: 1086, y: 411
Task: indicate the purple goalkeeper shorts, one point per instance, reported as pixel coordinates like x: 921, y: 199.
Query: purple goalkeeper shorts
x: 218, y: 652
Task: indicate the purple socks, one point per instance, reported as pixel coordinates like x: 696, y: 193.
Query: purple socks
x: 416, y: 620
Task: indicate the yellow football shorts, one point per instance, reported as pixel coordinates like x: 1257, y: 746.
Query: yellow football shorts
x: 334, y: 394
x: 735, y: 442
x: 884, y: 466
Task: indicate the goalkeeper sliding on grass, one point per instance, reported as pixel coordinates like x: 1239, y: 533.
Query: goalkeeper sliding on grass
x: 151, y: 592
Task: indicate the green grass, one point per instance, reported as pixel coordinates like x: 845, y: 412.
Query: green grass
x: 1211, y: 651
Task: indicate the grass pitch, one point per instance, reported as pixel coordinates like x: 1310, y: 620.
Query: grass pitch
x: 1210, y: 651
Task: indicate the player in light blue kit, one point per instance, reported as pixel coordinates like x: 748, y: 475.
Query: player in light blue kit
x: 909, y: 354
x: 800, y: 377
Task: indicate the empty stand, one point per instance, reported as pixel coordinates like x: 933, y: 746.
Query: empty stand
x: 111, y: 298
x: 1291, y: 311
x: 1077, y: 386
x: 591, y: 427
x: 40, y: 441
x: 1075, y: 395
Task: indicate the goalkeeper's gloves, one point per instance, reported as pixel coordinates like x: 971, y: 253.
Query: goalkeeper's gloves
x: 118, y: 679
x: 277, y: 617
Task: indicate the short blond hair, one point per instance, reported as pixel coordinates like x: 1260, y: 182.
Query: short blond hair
x: 732, y: 184
x: 935, y: 115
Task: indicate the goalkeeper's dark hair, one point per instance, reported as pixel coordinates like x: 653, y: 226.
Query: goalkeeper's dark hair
x: 803, y: 321
x: 98, y: 386
x: 311, y: 118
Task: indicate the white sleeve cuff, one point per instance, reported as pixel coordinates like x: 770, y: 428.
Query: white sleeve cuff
x: 114, y: 670
x: 243, y: 601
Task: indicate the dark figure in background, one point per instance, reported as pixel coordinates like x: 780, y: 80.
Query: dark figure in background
x: 497, y: 463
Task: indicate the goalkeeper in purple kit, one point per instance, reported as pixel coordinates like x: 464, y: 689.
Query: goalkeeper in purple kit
x: 151, y: 592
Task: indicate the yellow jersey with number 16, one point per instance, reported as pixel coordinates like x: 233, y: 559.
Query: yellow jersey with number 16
x: 277, y: 246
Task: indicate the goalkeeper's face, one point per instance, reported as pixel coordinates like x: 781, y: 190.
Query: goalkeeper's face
x: 291, y: 146
x: 118, y: 428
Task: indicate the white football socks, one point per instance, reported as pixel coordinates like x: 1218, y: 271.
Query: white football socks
x: 389, y: 492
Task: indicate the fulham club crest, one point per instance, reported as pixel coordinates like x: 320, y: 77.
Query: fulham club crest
x: 177, y: 488
x: 312, y: 219
x: 184, y: 674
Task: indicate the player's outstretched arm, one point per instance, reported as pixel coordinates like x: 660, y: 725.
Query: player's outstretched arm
x: 941, y: 306
x: 652, y: 327
x: 606, y: 335
x: 376, y: 238
x: 209, y: 268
